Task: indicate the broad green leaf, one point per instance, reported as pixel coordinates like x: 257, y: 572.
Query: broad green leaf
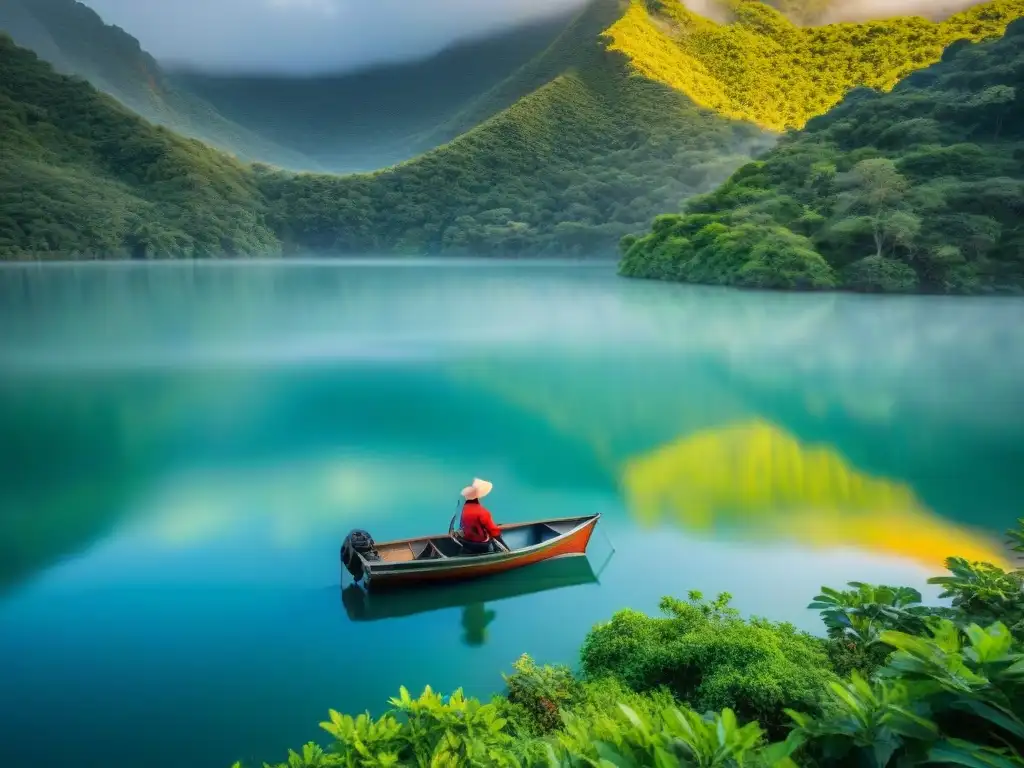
x: 994, y: 714
x: 634, y: 718
x: 959, y: 752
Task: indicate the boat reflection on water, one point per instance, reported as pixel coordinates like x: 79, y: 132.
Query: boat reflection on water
x: 471, y: 596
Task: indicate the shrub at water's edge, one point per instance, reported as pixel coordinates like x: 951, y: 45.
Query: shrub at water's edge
x: 916, y: 190
x: 894, y: 683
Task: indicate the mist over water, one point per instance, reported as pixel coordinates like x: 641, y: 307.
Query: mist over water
x: 187, y: 444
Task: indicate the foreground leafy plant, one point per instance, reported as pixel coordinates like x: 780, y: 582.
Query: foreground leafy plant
x: 866, y: 723
x: 937, y: 700
x: 862, y: 613
x: 984, y: 592
x: 974, y: 687
x: 677, y: 737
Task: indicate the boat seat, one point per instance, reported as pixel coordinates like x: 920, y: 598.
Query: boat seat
x: 428, y: 551
x: 421, y: 550
x: 397, y: 553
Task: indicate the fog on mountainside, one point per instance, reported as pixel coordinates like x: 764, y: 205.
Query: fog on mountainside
x: 832, y: 11
x: 863, y: 10
x: 376, y: 117
x: 313, y: 37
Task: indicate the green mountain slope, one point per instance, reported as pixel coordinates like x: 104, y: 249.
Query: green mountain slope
x: 919, y: 189
x: 593, y: 152
x: 374, y: 118
x: 573, y: 47
x: 76, y: 41
x: 565, y: 170
x: 81, y: 175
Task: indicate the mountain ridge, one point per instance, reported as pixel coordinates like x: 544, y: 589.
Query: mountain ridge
x: 593, y: 153
x: 77, y: 41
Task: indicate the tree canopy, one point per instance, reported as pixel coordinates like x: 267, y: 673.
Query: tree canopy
x: 918, y: 189
x: 577, y: 149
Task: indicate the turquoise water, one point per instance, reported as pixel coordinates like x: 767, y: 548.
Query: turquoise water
x: 185, y: 446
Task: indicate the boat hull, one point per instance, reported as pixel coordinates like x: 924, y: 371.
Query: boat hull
x: 572, y: 543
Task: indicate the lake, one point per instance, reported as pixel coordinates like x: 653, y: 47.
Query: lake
x: 186, y: 445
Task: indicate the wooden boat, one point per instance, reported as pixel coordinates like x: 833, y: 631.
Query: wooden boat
x: 557, y: 573
x: 442, y: 558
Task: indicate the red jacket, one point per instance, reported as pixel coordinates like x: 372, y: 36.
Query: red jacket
x: 477, y: 523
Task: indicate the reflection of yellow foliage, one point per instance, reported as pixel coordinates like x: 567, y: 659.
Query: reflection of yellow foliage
x: 758, y: 478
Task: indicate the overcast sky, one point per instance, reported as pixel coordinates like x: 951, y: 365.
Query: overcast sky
x: 301, y: 36
x: 309, y: 36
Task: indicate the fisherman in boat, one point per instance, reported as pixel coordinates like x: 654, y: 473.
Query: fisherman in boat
x: 479, y: 531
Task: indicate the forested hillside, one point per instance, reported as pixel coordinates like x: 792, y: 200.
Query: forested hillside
x: 566, y: 169
x: 73, y: 38
x: 81, y: 175
x: 589, y: 150
x: 919, y: 189
x: 569, y: 165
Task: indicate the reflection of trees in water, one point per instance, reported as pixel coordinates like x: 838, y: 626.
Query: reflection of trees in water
x: 961, y: 458
x: 68, y: 471
x: 624, y: 367
x: 754, y: 480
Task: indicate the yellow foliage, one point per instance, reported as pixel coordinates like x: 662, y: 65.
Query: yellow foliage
x: 763, y: 69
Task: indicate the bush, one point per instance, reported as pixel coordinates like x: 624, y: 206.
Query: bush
x: 710, y: 658
x: 877, y: 274
x: 983, y: 592
x: 537, y: 696
x: 786, y: 261
x: 846, y: 656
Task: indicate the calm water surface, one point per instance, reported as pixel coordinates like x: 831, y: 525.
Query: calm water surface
x: 185, y: 446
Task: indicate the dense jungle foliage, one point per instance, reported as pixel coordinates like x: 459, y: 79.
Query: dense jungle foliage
x: 764, y: 69
x: 893, y: 683
x: 918, y: 189
x: 568, y: 169
x: 81, y: 175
